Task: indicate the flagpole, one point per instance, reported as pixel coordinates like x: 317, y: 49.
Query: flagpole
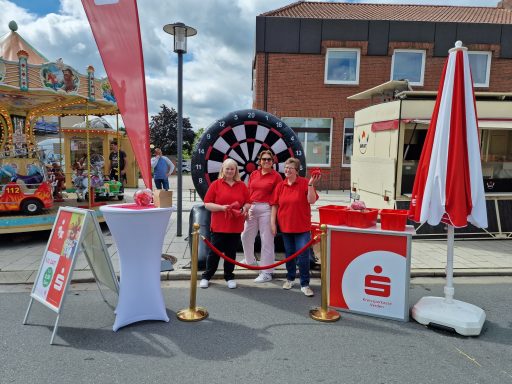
x: 448, y: 289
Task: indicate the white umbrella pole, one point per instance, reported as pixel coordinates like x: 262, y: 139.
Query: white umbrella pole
x: 448, y: 289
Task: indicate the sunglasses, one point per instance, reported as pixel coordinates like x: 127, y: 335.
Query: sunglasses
x: 266, y: 159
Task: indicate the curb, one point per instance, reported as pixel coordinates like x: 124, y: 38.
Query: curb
x: 184, y: 274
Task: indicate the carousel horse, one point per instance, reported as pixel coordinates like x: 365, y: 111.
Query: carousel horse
x: 58, y: 180
x: 81, y: 183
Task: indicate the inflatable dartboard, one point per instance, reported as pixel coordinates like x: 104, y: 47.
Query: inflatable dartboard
x: 241, y: 136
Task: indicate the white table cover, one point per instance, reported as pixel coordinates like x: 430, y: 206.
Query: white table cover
x: 139, y: 236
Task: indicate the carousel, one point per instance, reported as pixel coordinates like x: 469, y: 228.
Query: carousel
x: 32, y: 87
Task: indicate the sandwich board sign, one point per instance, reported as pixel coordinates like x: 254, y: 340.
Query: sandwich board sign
x: 74, y: 229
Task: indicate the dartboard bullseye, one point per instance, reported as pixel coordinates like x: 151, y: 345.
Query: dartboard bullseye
x: 241, y: 136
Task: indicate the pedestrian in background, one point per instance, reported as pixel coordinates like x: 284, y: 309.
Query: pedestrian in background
x: 117, y: 159
x: 162, y: 168
x: 262, y: 183
x: 291, y: 209
x: 227, y: 199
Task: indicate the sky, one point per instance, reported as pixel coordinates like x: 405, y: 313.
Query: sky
x: 217, y: 70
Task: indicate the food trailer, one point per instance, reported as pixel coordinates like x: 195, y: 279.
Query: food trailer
x: 388, y: 140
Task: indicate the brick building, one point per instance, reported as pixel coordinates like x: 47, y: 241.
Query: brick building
x: 310, y: 56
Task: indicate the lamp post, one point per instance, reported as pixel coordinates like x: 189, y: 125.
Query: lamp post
x: 180, y: 32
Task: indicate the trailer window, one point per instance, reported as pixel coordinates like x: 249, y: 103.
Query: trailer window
x: 496, y: 153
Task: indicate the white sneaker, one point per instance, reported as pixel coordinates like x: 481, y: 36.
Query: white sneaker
x: 263, y: 278
x: 288, y: 284
x: 307, y: 291
x: 203, y: 283
x: 231, y: 284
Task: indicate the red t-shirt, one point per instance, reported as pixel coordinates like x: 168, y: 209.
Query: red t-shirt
x: 261, y: 186
x: 294, y: 211
x: 222, y: 193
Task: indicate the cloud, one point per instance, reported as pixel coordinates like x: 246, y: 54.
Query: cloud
x: 217, y: 72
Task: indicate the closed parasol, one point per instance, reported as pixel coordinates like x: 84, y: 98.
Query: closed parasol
x: 449, y: 186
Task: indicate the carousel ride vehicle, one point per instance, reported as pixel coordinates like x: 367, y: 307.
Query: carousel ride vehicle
x: 30, y: 192
x: 104, y: 189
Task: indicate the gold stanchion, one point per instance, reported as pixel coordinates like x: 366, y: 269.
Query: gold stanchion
x: 193, y: 313
x: 323, y: 313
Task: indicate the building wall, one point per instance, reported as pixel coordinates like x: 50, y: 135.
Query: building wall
x: 292, y: 85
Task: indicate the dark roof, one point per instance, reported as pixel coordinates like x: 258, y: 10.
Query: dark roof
x: 393, y: 12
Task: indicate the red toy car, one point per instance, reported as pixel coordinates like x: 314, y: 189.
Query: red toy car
x: 30, y: 193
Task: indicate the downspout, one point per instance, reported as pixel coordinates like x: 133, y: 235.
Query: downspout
x: 398, y: 151
x: 265, y: 84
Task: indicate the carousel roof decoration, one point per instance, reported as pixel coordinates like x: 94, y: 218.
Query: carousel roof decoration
x: 33, y: 86
x: 11, y: 43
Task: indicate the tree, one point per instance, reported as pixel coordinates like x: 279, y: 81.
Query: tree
x: 163, y: 132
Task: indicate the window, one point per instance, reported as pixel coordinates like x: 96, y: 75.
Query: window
x: 480, y: 63
x: 348, y: 141
x: 408, y: 65
x: 342, y: 66
x: 315, y: 137
x: 78, y: 146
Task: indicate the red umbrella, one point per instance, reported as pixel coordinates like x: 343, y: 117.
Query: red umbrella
x: 449, y: 186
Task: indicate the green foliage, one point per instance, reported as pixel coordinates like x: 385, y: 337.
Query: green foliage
x: 199, y: 134
x: 163, y: 132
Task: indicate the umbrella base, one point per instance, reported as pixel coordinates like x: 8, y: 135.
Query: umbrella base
x: 466, y: 319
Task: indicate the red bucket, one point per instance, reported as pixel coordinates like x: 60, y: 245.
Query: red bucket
x: 361, y: 219
x: 393, y: 219
x: 332, y: 214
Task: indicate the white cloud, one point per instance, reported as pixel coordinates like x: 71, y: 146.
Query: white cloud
x: 218, y: 66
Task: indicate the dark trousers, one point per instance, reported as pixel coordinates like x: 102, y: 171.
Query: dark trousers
x: 162, y: 184
x: 228, y: 244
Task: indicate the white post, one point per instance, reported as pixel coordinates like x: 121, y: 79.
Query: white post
x: 448, y: 289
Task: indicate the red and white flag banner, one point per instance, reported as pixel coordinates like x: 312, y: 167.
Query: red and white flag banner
x: 449, y: 186
x: 115, y: 26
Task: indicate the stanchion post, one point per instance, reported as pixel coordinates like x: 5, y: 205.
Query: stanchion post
x: 193, y: 313
x: 323, y: 313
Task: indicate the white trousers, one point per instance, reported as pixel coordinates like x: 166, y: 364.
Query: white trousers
x: 259, y: 220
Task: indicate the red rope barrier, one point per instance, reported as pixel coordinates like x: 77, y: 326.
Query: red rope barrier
x: 258, y: 267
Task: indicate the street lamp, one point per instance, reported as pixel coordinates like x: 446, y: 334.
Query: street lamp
x: 180, y: 32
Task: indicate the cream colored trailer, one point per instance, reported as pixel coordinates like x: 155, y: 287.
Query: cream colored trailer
x: 388, y: 138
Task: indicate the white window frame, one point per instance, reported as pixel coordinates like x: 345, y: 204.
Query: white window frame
x: 358, y: 62
x: 304, y: 145
x: 343, y: 164
x: 423, y: 56
x: 487, y: 71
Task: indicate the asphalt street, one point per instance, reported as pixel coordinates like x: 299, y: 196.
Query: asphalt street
x: 254, y: 334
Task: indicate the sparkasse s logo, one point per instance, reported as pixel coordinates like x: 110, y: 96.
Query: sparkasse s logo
x: 376, y: 285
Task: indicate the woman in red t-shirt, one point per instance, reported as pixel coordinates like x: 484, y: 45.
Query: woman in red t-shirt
x: 228, y: 201
x: 291, y: 208
x: 262, y: 183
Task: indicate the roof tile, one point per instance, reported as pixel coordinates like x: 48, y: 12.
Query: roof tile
x: 394, y: 12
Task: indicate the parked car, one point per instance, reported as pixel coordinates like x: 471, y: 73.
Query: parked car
x: 185, y: 166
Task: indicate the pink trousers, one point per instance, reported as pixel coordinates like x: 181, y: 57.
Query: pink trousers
x: 259, y: 220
